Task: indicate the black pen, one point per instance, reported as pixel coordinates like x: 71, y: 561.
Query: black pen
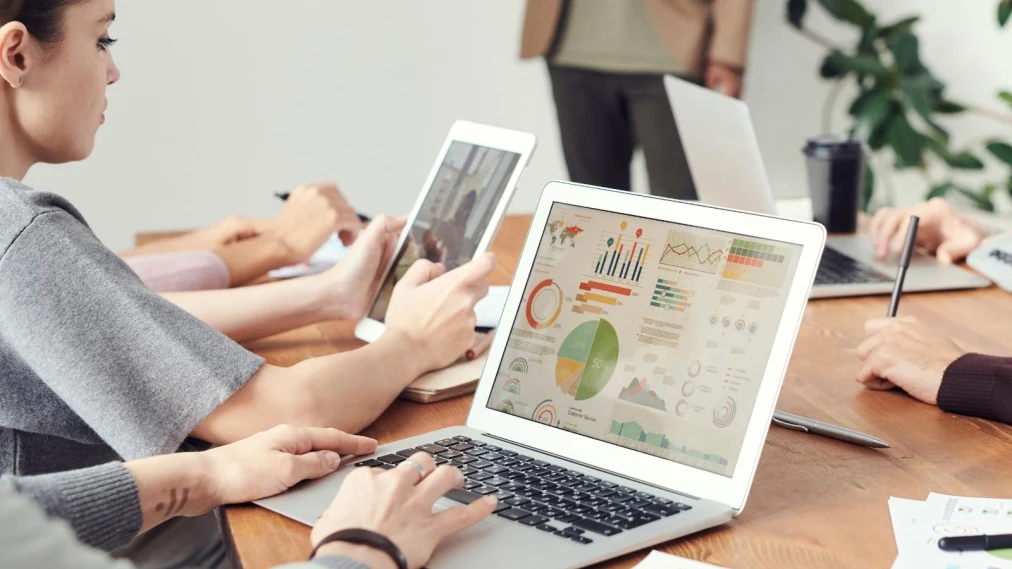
x: 283, y: 196
x: 975, y: 542
x: 901, y: 272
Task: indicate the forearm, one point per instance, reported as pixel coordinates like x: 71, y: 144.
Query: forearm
x: 253, y: 257
x: 252, y: 312
x: 980, y: 386
x: 172, y: 244
x: 347, y: 391
x: 172, y: 485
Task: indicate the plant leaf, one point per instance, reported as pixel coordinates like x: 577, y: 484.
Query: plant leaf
x: 979, y: 199
x: 830, y: 68
x: 872, y: 108
x: 1000, y: 150
x: 869, y: 33
x: 917, y: 97
x: 905, y: 49
x: 939, y: 191
x: 907, y: 143
x: 868, y: 187
x: 1004, y: 12
x: 796, y: 12
x: 879, y: 137
x: 946, y: 107
x: 965, y: 161
x: 1005, y: 96
x: 860, y: 64
x: 847, y: 10
x: 898, y: 28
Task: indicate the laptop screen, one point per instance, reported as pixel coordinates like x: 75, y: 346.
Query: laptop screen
x: 646, y: 334
x: 457, y: 210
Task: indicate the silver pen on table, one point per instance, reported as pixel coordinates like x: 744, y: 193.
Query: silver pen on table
x: 828, y: 430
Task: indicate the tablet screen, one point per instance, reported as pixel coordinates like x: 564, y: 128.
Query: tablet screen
x: 457, y: 210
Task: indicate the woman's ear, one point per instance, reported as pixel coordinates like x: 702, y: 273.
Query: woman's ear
x: 15, y: 60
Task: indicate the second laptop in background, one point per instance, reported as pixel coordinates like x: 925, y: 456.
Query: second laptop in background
x: 727, y: 168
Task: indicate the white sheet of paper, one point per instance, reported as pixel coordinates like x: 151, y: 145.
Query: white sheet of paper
x: 919, y: 525
x: 332, y: 251
x: 660, y: 560
x: 489, y: 309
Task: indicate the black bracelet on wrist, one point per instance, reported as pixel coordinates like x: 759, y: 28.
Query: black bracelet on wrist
x: 368, y: 538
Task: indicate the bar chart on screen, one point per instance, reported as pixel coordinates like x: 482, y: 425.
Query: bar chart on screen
x: 597, y: 297
x: 668, y: 297
x: 621, y: 256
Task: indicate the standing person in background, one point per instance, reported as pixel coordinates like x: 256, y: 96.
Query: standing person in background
x: 606, y: 60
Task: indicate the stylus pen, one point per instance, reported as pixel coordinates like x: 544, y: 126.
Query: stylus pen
x: 901, y: 272
x: 975, y: 542
x: 283, y: 196
x: 828, y: 430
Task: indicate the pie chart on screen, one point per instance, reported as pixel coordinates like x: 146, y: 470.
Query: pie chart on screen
x: 586, y: 359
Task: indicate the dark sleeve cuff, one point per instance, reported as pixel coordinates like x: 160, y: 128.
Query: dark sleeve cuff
x: 978, y: 385
x: 100, y: 503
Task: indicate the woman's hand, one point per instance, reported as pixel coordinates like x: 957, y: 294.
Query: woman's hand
x: 311, y: 214
x: 398, y: 504
x: 273, y: 461
x: 352, y: 284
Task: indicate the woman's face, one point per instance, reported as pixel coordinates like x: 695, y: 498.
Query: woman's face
x: 62, y: 101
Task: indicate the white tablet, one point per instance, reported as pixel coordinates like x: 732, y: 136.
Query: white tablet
x: 459, y: 210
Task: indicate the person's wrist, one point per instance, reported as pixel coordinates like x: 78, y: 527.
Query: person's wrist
x: 373, y: 558
x: 410, y: 348
x: 212, y: 474
x: 279, y: 250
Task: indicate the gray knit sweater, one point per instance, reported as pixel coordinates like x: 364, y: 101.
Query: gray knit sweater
x: 89, y: 508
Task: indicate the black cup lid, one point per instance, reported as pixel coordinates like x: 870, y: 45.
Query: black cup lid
x: 832, y: 146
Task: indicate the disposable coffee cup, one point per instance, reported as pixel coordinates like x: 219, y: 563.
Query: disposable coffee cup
x: 835, y: 177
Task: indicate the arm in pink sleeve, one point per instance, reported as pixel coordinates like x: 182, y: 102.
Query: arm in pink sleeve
x: 175, y: 272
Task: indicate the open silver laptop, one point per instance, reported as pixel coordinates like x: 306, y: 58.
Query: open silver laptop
x: 627, y: 397
x: 727, y: 169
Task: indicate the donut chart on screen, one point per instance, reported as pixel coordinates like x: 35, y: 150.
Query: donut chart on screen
x: 544, y: 305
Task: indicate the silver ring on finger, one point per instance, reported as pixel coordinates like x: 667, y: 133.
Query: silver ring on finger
x: 422, y: 473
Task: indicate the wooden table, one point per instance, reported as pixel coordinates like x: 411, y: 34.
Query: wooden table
x: 815, y: 502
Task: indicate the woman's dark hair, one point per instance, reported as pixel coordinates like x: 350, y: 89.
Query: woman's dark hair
x: 42, y: 18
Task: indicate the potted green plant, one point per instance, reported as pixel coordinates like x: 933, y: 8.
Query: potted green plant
x: 899, y: 100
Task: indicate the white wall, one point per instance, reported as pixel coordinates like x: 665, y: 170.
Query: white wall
x: 222, y: 103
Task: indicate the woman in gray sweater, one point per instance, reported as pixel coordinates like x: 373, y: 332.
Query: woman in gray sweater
x: 106, y: 506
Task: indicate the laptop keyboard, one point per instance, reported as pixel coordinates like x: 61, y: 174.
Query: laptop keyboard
x: 837, y: 268
x: 540, y: 494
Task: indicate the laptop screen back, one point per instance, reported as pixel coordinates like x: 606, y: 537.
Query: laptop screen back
x: 645, y: 334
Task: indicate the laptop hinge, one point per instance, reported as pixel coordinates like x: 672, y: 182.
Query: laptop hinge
x: 591, y: 467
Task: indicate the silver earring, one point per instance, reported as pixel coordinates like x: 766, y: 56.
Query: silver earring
x: 21, y: 80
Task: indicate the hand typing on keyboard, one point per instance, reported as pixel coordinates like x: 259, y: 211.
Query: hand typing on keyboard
x: 397, y: 503
x: 539, y: 494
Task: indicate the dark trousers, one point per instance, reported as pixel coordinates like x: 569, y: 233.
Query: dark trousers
x: 603, y: 117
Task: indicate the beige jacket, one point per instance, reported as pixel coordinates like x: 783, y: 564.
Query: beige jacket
x: 696, y: 31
